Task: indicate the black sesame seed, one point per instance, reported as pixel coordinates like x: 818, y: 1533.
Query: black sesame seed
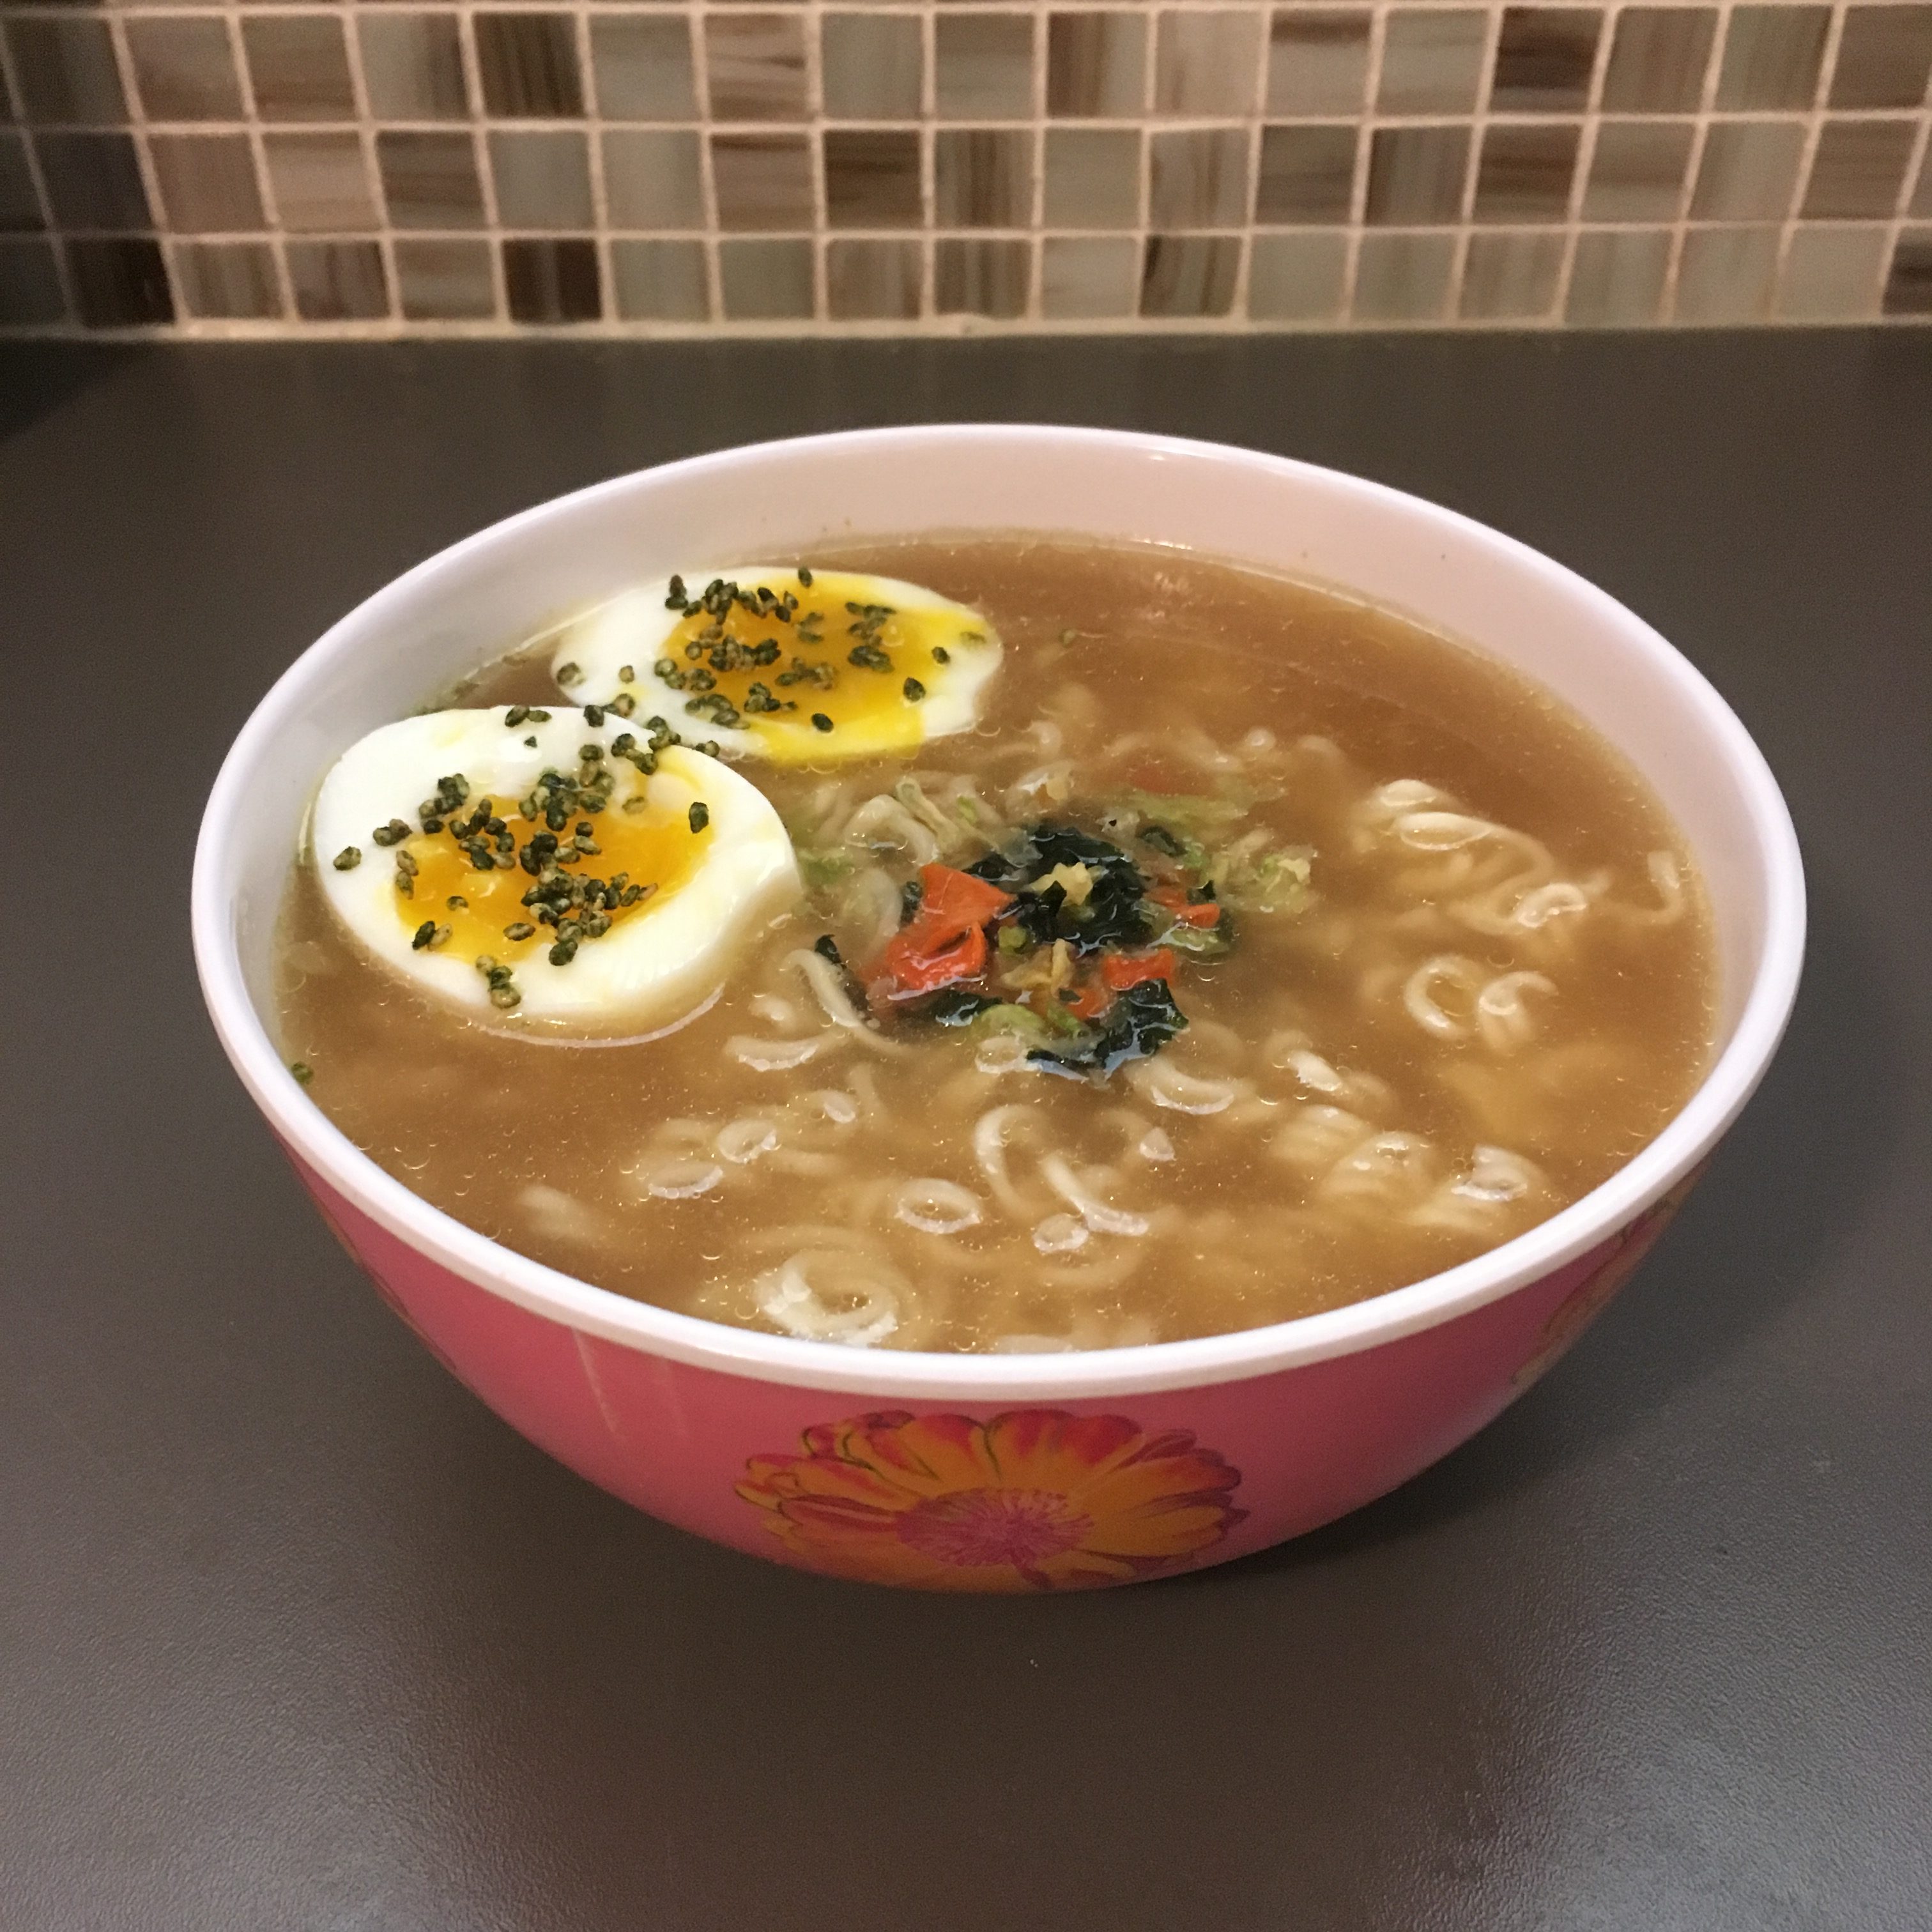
x: 516, y: 714
x: 303, y: 1072
x: 805, y: 576
x: 826, y: 947
x: 425, y: 933
x: 569, y: 674
x: 940, y: 655
x: 819, y: 722
x: 914, y: 691
x: 348, y: 859
x: 699, y: 816
x: 522, y: 929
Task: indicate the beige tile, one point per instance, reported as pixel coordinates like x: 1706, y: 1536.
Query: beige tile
x: 1885, y: 57
x: 1617, y: 278
x: 430, y: 180
x: 653, y: 178
x: 1727, y: 274
x: 873, y: 66
x: 1416, y: 176
x: 1748, y: 172
x: 873, y: 281
x: 542, y: 176
x: 1658, y: 59
x: 1431, y: 60
x: 975, y: 275
x: 984, y: 65
x: 1772, y: 57
x: 319, y: 182
x: 1858, y: 169
x: 338, y: 281
x: 298, y: 67
x: 1296, y: 278
x: 1088, y: 278
x: 641, y: 64
x: 754, y: 66
x: 228, y: 281
x: 761, y: 181
x: 412, y: 66
x: 660, y: 281
x: 207, y: 182
x: 184, y: 69
x: 982, y: 178
x: 1307, y: 173
x: 1403, y: 277
x: 1207, y: 61
x: 1096, y: 65
x: 1525, y: 171
x: 1832, y: 273
x: 1093, y: 178
x: 1187, y: 277
x: 445, y: 281
x: 1197, y: 177
x: 1318, y: 61
x: 1511, y: 278
x: 1638, y: 170
x: 766, y: 281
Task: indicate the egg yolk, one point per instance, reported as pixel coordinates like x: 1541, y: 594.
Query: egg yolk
x: 798, y: 675
x: 626, y: 864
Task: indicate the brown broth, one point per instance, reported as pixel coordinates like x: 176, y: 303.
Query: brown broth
x: 1339, y: 1159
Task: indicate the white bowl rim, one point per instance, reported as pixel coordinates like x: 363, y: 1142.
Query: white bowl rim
x: 1072, y: 1375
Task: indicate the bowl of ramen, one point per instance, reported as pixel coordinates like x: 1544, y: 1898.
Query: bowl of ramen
x: 996, y: 1008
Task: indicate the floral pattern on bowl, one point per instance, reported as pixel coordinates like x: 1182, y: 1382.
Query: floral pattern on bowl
x: 1034, y: 1499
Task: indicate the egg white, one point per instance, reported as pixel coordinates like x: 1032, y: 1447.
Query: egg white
x: 660, y: 959
x: 632, y: 630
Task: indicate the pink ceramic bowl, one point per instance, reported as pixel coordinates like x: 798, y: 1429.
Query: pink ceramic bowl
x: 1012, y: 1473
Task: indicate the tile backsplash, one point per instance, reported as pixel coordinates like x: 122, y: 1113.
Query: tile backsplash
x: 376, y: 167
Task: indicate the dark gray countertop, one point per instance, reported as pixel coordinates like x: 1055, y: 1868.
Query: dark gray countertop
x: 293, y: 1633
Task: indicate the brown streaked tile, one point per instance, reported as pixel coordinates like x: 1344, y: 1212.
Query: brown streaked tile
x: 982, y: 178
x: 1526, y: 170
x: 1748, y: 171
x: 207, y: 182
x: 553, y: 280
x: 1096, y: 65
x: 1197, y: 177
x: 120, y: 284
x: 873, y: 281
x: 660, y: 281
x: 1093, y: 178
x: 1186, y: 276
x: 1431, y: 60
x: 653, y: 178
x: 1206, y: 62
x: 338, y: 281
x: 1088, y: 278
x: 184, y: 69
x: 1638, y: 170
x: 766, y: 281
x: 1858, y: 170
x: 67, y: 72
x: 1616, y: 279
x: 754, y: 66
x: 7, y: 113
x: 228, y: 281
x: 1403, y: 277
x: 1908, y: 287
x: 1658, y: 60
x: 30, y: 286
x: 20, y: 201
x: 528, y: 63
x: 1832, y: 274
x: 445, y: 281
x: 1885, y: 57
x: 542, y: 176
x: 1725, y: 275
x: 1544, y: 56
x: 873, y: 66
x: 1318, y: 62
x: 871, y: 178
x: 93, y: 181
x: 1416, y: 176
x: 1296, y: 278
x: 984, y: 65
x: 430, y: 180
x: 412, y: 66
x: 762, y: 180
x: 643, y: 66
x: 1772, y: 55
x: 1921, y: 209
x: 1307, y: 173
x: 319, y: 183
x: 978, y: 276
x: 1511, y: 278
x: 298, y: 67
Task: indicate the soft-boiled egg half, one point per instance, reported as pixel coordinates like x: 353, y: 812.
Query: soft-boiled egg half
x: 802, y: 667
x: 522, y: 860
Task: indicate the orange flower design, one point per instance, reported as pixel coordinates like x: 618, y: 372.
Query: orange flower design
x: 1035, y: 1499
